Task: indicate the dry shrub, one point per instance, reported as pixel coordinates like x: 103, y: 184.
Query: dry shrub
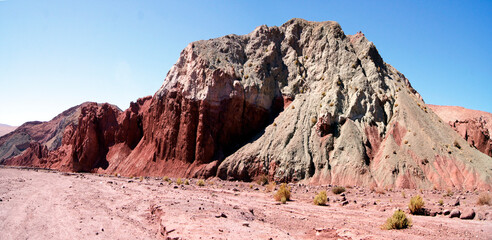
x: 416, y: 205
x: 186, y: 182
x: 399, y: 220
x: 200, y: 183
x: 179, y: 181
x: 271, y: 186
x: 448, y: 193
x: 283, y: 193
x: 484, y: 199
x: 262, y: 180
x: 321, y: 198
x: 338, y: 190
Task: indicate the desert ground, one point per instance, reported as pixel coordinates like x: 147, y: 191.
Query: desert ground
x: 45, y: 204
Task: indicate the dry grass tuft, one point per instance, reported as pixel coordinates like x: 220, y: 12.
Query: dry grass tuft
x: 338, y: 190
x: 262, y: 180
x: 484, y: 199
x: 399, y: 220
x: 416, y: 205
x: 200, y: 183
x: 320, y: 199
x: 283, y: 193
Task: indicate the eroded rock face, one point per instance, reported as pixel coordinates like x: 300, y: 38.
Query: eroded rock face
x: 474, y: 126
x: 302, y: 101
x: 48, y: 133
x: 87, y: 141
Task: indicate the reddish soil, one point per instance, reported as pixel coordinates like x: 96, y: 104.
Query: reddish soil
x: 45, y: 204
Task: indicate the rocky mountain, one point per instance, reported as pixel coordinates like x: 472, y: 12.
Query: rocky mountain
x: 302, y: 101
x: 473, y: 125
x: 48, y: 134
x: 4, y: 129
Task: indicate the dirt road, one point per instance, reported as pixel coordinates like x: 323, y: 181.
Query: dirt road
x: 43, y: 204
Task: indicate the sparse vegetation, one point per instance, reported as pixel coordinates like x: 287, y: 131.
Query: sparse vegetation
x: 200, y: 183
x: 283, y: 193
x: 186, y: 182
x: 456, y: 144
x: 416, y: 205
x: 484, y: 199
x: 323, y: 94
x: 292, y: 107
x: 448, y: 193
x: 338, y: 190
x: 141, y: 178
x: 179, y: 181
x: 320, y: 199
x: 403, y: 194
x: 262, y: 180
x: 440, y: 202
x: 271, y: 186
x: 399, y: 220
x: 246, y: 76
x: 331, y: 104
x: 165, y: 178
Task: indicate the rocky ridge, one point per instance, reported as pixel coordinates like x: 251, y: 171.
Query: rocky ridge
x: 302, y: 101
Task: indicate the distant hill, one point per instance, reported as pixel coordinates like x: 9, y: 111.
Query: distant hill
x: 4, y: 129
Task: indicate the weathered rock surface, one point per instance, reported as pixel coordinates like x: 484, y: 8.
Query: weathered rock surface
x: 302, y: 101
x: 474, y: 126
x: 87, y: 141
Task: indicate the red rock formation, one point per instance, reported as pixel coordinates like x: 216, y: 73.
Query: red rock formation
x: 302, y: 101
x: 474, y: 126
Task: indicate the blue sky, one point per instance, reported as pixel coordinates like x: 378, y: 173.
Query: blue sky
x: 57, y: 54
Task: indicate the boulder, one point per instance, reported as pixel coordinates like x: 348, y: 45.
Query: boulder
x: 468, y: 214
x: 455, y: 213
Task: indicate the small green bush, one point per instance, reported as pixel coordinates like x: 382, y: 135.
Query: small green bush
x: 320, y: 199
x: 416, y: 205
x: 282, y: 193
x: 338, y: 190
x: 200, y: 183
x: 399, y: 220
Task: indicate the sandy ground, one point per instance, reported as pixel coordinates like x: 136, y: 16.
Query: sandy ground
x: 44, y: 204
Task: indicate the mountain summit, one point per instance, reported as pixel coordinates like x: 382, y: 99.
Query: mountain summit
x: 302, y: 101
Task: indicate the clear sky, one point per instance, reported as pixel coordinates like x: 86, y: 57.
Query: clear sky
x: 57, y: 54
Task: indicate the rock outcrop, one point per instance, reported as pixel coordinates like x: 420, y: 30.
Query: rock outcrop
x: 302, y: 101
x: 49, y: 134
x: 474, y: 126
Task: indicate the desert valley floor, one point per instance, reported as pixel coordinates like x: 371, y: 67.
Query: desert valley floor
x: 45, y: 204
